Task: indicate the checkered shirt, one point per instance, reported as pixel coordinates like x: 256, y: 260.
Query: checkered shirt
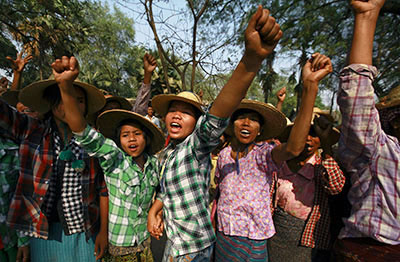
x: 184, y: 186
x: 329, y: 180
x: 9, y: 171
x: 37, y: 156
x: 130, y: 189
x: 70, y: 197
x: 372, y: 159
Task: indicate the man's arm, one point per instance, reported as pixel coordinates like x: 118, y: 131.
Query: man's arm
x: 360, y: 122
x: 366, y: 15
x: 314, y: 71
x: 143, y: 96
x: 65, y: 71
x: 261, y: 37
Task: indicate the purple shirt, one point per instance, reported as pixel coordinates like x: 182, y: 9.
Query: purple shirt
x: 244, y: 205
x: 371, y: 157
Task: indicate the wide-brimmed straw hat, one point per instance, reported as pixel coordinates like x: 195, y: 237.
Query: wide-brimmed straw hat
x: 32, y: 96
x: 390, y: 100
x: 334, y: 133
x: 125, y: 104
x: 11, y: 97
x: 161, y: 103
x: 274, y: 122
x: 110, y: 120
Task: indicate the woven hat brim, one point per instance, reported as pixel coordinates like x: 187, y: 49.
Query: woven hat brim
x: 110, y: 120
x: 333, y: 138
x: 160, y: 103
x: 274, y: 120
x: 32, y: 96
x: 125, y: 104
x: 11, y: 97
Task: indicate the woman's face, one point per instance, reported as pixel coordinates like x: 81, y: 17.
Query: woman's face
x: 132, y: 140
x: 247, y: 127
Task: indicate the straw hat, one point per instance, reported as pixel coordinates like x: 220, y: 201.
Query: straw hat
x: 110, y: 120
x: 390, y: 100
x: 274, y: 120
x: 32, y: 96
x: 161, y: 103
x: 334, y: 133
x: 11, y: 97
x: 125, y: 104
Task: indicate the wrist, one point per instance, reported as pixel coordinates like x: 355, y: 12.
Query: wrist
x: 369, y: 16
x: 147, y: 77
x: 310, y: 85
x: 251, y: 62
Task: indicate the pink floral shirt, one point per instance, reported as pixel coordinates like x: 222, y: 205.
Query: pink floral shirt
x: 295, y: 193
x: 244, y: 205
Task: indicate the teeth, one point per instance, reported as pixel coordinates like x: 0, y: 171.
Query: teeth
x: 133, y: 146
x: 245, y: 132
x: 175, y: 125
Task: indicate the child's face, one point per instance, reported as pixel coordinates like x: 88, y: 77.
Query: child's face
x: 180, y: 120
x: 247, y: 127
x: 132, y: 140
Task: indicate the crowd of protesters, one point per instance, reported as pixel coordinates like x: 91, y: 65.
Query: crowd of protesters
x: 88, y: 176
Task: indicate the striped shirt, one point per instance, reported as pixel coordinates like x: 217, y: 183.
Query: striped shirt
x: 130, y: 189
x: 371, y: 157
x: 184, y: 187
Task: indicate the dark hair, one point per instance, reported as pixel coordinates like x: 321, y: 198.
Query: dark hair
x: 52, y: 95
x: 146, y: 132
x: 243, y: 111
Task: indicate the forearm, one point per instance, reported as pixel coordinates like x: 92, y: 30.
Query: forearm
x: 279, y: 106
x: 235, y: 89
x: 16, y: 80
x: 73, y: 115
x: 147, y: 77
x: 302, y: 123
x: 142, y: 99
x: 363, y: 37
x: 103, y: 213
x: 156, y: 207
x: 360, y: 122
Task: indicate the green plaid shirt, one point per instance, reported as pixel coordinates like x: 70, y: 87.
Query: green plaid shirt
x: 130, y: 189
x: 9, y: 172
x: 184, y: 187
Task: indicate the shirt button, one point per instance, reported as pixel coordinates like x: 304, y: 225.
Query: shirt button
x: 40, y: 198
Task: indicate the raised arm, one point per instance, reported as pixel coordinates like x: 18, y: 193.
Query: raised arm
x: 314, y: 71
x: 366, y: 14
x: 261, y: 37
x: 143, y: 96
x: 361, y: 128
x: 18, y: 66
x: 280, y: 95
x: 65, y: 71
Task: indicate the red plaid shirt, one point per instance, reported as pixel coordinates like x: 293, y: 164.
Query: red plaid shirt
x: 36, y: 161
x: 329, y: 180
